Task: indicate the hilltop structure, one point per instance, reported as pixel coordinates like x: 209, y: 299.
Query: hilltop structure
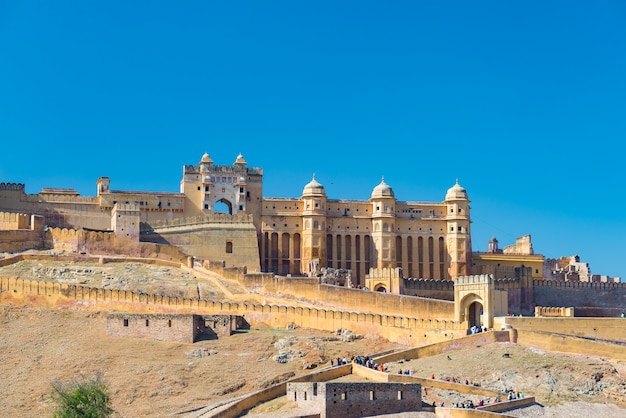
x: 290, y: 236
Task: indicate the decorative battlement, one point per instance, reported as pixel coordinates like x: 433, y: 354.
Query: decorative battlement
x: 554, y: 312
x: 579, y: 285
x: 385, y: 273
x: 223, y: 169
x: 12, y: 186
x: 475, y: 279
x: 12, y: 221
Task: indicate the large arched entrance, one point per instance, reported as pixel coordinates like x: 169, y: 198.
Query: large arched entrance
x: 474, y: 314
x: 223, y: 206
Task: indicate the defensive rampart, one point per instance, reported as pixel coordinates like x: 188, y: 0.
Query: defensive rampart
x: 20, y: 240
x: 550, y: 341
x: 591, y: 299
x: 609, y: 329
x: 80, y: 242
x: 231, y: 238
x: 350, y: 299
x: 10, y: 221
x: 395, y: 328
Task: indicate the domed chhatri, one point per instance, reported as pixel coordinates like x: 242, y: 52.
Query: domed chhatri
x: 383, y: 190
x: 240, y: 160
x: 314, y: 188
x: 456, y: 192
x: 206, y: 159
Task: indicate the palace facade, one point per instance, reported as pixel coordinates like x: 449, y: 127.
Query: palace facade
x: 294, y: 236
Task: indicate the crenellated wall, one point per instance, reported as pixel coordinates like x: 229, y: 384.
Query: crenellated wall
x: 12, y: 221
x: 20, y: 240
x: 402, y: 329
x: 591, y: 299
x: 611, y: 329
x: 429, y: 288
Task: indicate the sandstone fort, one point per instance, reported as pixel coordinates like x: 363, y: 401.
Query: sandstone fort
x: 401, y: 269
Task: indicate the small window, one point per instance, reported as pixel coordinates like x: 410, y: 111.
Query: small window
x: 241, y: 190
x: 399, y: 395
x: 198, y: 187
x: 125, y: 322
x: 344, y: 396
x: 206, y: 206
x: 206, y: 188
x: 169, y: 323
x: 147, y: 322
x: 229, y: 247
x: 372, y: 395
x: 240, y: 207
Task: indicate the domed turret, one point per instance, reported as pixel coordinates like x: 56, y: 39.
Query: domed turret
x: 240, y: 160
x: 206, y: 159
x: 456, y: 192
x: 383, y: 190
x: 314, y: 188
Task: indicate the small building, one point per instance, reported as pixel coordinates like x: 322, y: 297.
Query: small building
x: 186, y: 328
x: 351, y: 400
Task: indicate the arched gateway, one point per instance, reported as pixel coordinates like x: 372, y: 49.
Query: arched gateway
x: 476, y: 301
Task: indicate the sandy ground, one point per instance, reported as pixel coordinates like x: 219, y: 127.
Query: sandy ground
x: 149, y: 378
x: 146, y: 378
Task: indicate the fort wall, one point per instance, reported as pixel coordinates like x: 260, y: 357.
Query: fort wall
x: 591, y: 299
x: 450, y: 344
x: 231, y: 238
x: 20, y: 240
x: 613, y: 329
x: 11, y: 221
x: 349, y: 298
x: 429, y: 288
x: 395, y: 328
x: 81, y: 241
x: 551, y: 341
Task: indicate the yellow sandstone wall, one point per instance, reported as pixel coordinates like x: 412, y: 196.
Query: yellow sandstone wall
x: 596, y: 328
x: 566, y: 344
x: 405, y: 330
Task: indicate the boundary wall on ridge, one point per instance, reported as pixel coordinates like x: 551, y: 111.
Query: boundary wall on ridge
x: 404, y: 330
x: 341, y: 297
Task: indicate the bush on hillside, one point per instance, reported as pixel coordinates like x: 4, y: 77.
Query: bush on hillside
x: 87, y: 398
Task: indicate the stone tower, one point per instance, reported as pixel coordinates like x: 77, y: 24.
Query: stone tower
x: 458, y: 240
x: 313, y: 225
x: 383, y: 225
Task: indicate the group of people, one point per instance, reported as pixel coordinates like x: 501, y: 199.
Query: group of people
x: 477, y: 329
x: 455, y: 380
x: 407, y: 372
x: 365, y: 361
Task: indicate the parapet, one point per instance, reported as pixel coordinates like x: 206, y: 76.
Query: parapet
x: 475, y: 279
x: 12, y: 186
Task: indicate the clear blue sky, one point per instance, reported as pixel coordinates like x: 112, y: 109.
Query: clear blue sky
x: 523, y: 102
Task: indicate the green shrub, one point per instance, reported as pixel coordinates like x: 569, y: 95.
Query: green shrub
x: 82, y: 399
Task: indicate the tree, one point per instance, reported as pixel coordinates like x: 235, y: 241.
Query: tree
x: 88, y: 398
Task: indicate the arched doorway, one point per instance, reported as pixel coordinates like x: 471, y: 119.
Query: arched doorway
x: 223, y: 206
x: 474, y: 314
x: 380, y: 288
